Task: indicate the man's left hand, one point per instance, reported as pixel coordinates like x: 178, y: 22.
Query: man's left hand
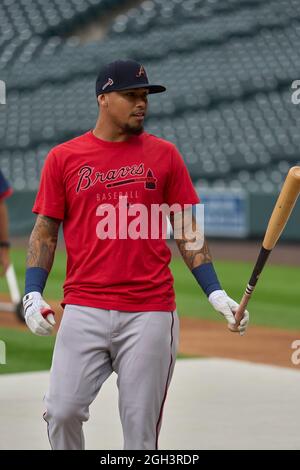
x: 227, y: 307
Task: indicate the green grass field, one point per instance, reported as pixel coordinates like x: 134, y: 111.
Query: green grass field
x: 274, y: 304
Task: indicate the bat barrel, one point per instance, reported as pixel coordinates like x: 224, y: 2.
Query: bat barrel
x: 283, y: 207
x: 280, y: 215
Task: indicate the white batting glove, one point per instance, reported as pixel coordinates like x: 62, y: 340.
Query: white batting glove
x: 39, y: 316
x: 227, y: 307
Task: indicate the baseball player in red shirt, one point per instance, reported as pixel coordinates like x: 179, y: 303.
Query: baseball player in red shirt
x: 119, y: 304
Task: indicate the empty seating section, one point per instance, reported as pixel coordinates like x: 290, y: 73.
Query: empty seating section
x: 228, y: 66
x: 23, y: 22
x: 154, y: 13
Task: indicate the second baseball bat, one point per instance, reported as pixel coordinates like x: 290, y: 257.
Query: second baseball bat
x: 280, y: 215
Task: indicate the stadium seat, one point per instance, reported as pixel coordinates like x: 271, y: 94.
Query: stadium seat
x: 228, y: 66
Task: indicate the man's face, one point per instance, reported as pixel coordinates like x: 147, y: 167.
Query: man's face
x: 128, y: 108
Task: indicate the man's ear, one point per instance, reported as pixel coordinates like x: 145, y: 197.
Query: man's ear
x: 102, y: 100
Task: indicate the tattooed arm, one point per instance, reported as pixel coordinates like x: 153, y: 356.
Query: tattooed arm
x: 42, y: 243
x: 195, y: 252
x: 190, y: 241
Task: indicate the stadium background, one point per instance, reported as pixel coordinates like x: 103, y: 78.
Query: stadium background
x: 228, y: 66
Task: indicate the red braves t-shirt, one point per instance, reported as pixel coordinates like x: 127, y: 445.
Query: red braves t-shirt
x: 104, y: 193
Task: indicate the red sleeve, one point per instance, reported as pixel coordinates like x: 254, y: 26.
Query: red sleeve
x: 50, y: 199
x: 5, y: 189
x: 180, y: 188
x: 6, y: 194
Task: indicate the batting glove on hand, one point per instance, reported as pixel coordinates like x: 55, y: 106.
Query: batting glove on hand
x: 227, y: 307
x: 39, y: 316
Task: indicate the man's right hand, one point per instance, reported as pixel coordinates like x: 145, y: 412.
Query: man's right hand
x: 37, y: 319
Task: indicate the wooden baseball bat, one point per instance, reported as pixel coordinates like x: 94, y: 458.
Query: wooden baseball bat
x: 280, y: 215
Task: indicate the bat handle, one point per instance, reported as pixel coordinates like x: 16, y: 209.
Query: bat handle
x: 13, y: 284
x: 242, y: 307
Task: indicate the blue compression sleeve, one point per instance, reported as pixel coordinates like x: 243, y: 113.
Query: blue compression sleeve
x: 207, y: 278
x: 35, y: 280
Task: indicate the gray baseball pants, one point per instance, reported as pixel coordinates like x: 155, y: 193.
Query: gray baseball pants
x: 91, y: 344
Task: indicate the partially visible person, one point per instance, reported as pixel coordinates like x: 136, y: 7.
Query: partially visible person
x: 5, y: 191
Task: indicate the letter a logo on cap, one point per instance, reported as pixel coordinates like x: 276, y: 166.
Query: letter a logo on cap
x: 141, y: 72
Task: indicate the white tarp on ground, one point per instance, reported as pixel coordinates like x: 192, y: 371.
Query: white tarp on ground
x: 212, y: 404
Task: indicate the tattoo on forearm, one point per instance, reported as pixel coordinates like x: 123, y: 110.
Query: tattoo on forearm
x: 42, y: 243
x: 192, y: 258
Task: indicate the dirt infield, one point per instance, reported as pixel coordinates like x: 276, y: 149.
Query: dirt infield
x: 260, y: 344
x: 211, y: 339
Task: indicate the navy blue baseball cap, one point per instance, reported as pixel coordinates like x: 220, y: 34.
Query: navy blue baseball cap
x: 124, y: 75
